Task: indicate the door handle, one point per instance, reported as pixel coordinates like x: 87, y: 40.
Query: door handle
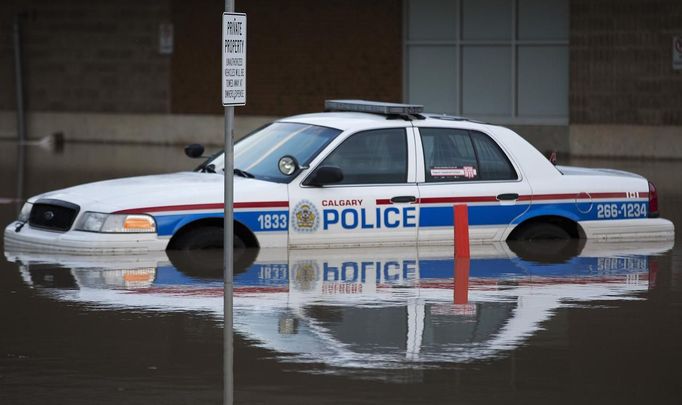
x: 507, y: 197
x: 404, y: 199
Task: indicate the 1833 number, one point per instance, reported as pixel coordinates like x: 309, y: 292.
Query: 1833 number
x: 272, y: 221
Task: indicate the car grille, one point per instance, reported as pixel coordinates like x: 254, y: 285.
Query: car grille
x: 54, y: 215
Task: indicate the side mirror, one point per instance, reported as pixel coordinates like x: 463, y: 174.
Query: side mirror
x: 194, y: 150
x: 325, y: 175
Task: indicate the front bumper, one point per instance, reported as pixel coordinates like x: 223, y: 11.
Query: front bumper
x: 35, y: 240
x: 629, y: 229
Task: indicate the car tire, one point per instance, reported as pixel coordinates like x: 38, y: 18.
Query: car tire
x: 554, y: 251
x: 545, y: 243
x: 542, y: 231
x: 205, y: 237
x: 207, y: 264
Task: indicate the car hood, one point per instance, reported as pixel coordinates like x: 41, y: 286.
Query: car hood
x: 184, y: 188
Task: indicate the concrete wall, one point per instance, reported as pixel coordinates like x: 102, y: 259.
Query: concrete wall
x: 171, y: 129
x: 182, y: 129
x: 635, y: 141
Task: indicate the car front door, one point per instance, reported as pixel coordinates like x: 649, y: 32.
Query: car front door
x: 373, y: 204
x: 465, y: 166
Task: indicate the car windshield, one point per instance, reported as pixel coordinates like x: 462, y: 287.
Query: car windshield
x: 257, y: 155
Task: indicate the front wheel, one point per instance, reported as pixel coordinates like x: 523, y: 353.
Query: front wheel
x: 205, y: 237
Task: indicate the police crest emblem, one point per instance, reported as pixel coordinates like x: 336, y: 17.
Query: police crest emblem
x: 304, y: 275
x: 306, y: 217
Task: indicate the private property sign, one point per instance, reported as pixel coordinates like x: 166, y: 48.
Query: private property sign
x: 234, y: 59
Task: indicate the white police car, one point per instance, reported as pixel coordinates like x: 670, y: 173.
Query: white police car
x: 363, y: 173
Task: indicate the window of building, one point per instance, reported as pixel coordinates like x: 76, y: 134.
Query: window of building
x: 503, y: 61
x: 372, y: 157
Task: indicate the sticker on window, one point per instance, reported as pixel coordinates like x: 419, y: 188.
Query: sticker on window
x: 468, y: 172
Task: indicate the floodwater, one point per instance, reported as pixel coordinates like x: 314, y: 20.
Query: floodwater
x: 596, y: 323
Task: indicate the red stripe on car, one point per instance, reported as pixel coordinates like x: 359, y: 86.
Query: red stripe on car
x: 536, y: 197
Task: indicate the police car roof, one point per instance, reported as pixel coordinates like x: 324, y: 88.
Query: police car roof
x: 350, y: 120
x: 338, y: 120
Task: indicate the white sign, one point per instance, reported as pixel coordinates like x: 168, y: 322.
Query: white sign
x: 234, y: 59
x: 677, y: 53
x: 166, y: 39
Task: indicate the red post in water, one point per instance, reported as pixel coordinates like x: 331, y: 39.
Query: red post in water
x: 462, y: 253
x: 461, y: 215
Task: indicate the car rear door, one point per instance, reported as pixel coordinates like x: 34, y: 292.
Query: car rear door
x: 374, y: 204
x: 466, y: 166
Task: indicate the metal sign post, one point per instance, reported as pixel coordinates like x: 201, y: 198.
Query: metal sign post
x: 233, y: 79
x: 18, y: 75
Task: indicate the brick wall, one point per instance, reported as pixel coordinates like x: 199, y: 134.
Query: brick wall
x: 102, y: 56
x: 304, y: 51
x: 300, y: 52
x: 621, y: 62
x: 84, y: 55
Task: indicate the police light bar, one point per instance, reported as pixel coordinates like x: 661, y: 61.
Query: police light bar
x: 375, y: 107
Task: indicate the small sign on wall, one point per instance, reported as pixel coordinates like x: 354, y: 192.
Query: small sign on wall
x: 166, y: 39
x: 677, y: 53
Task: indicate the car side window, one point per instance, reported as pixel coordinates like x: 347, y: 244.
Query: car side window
x: 493, y: 164
x: 372, y: 157
x: 448, y: 155
x: 460, y: 155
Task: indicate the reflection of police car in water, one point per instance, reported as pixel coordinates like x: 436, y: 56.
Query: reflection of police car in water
x: 363, y: 173
x: 370, y: 308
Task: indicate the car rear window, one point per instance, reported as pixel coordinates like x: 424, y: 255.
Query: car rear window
x: 462, y: 155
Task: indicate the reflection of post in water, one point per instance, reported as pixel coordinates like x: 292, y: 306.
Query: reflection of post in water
x: 415, y: 328
x: 462, y: 265
x: 462, y: 254
x: 21, y: 166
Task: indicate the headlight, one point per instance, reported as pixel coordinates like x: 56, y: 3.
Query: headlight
x: 25, y: 212
x: 116, y: 223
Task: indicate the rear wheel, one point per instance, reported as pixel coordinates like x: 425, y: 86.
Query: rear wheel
x: 545, y: 242
x: 542, y: 231
x: 547, y: 250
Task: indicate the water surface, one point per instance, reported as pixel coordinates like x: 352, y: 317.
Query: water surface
x: 600, y: 324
